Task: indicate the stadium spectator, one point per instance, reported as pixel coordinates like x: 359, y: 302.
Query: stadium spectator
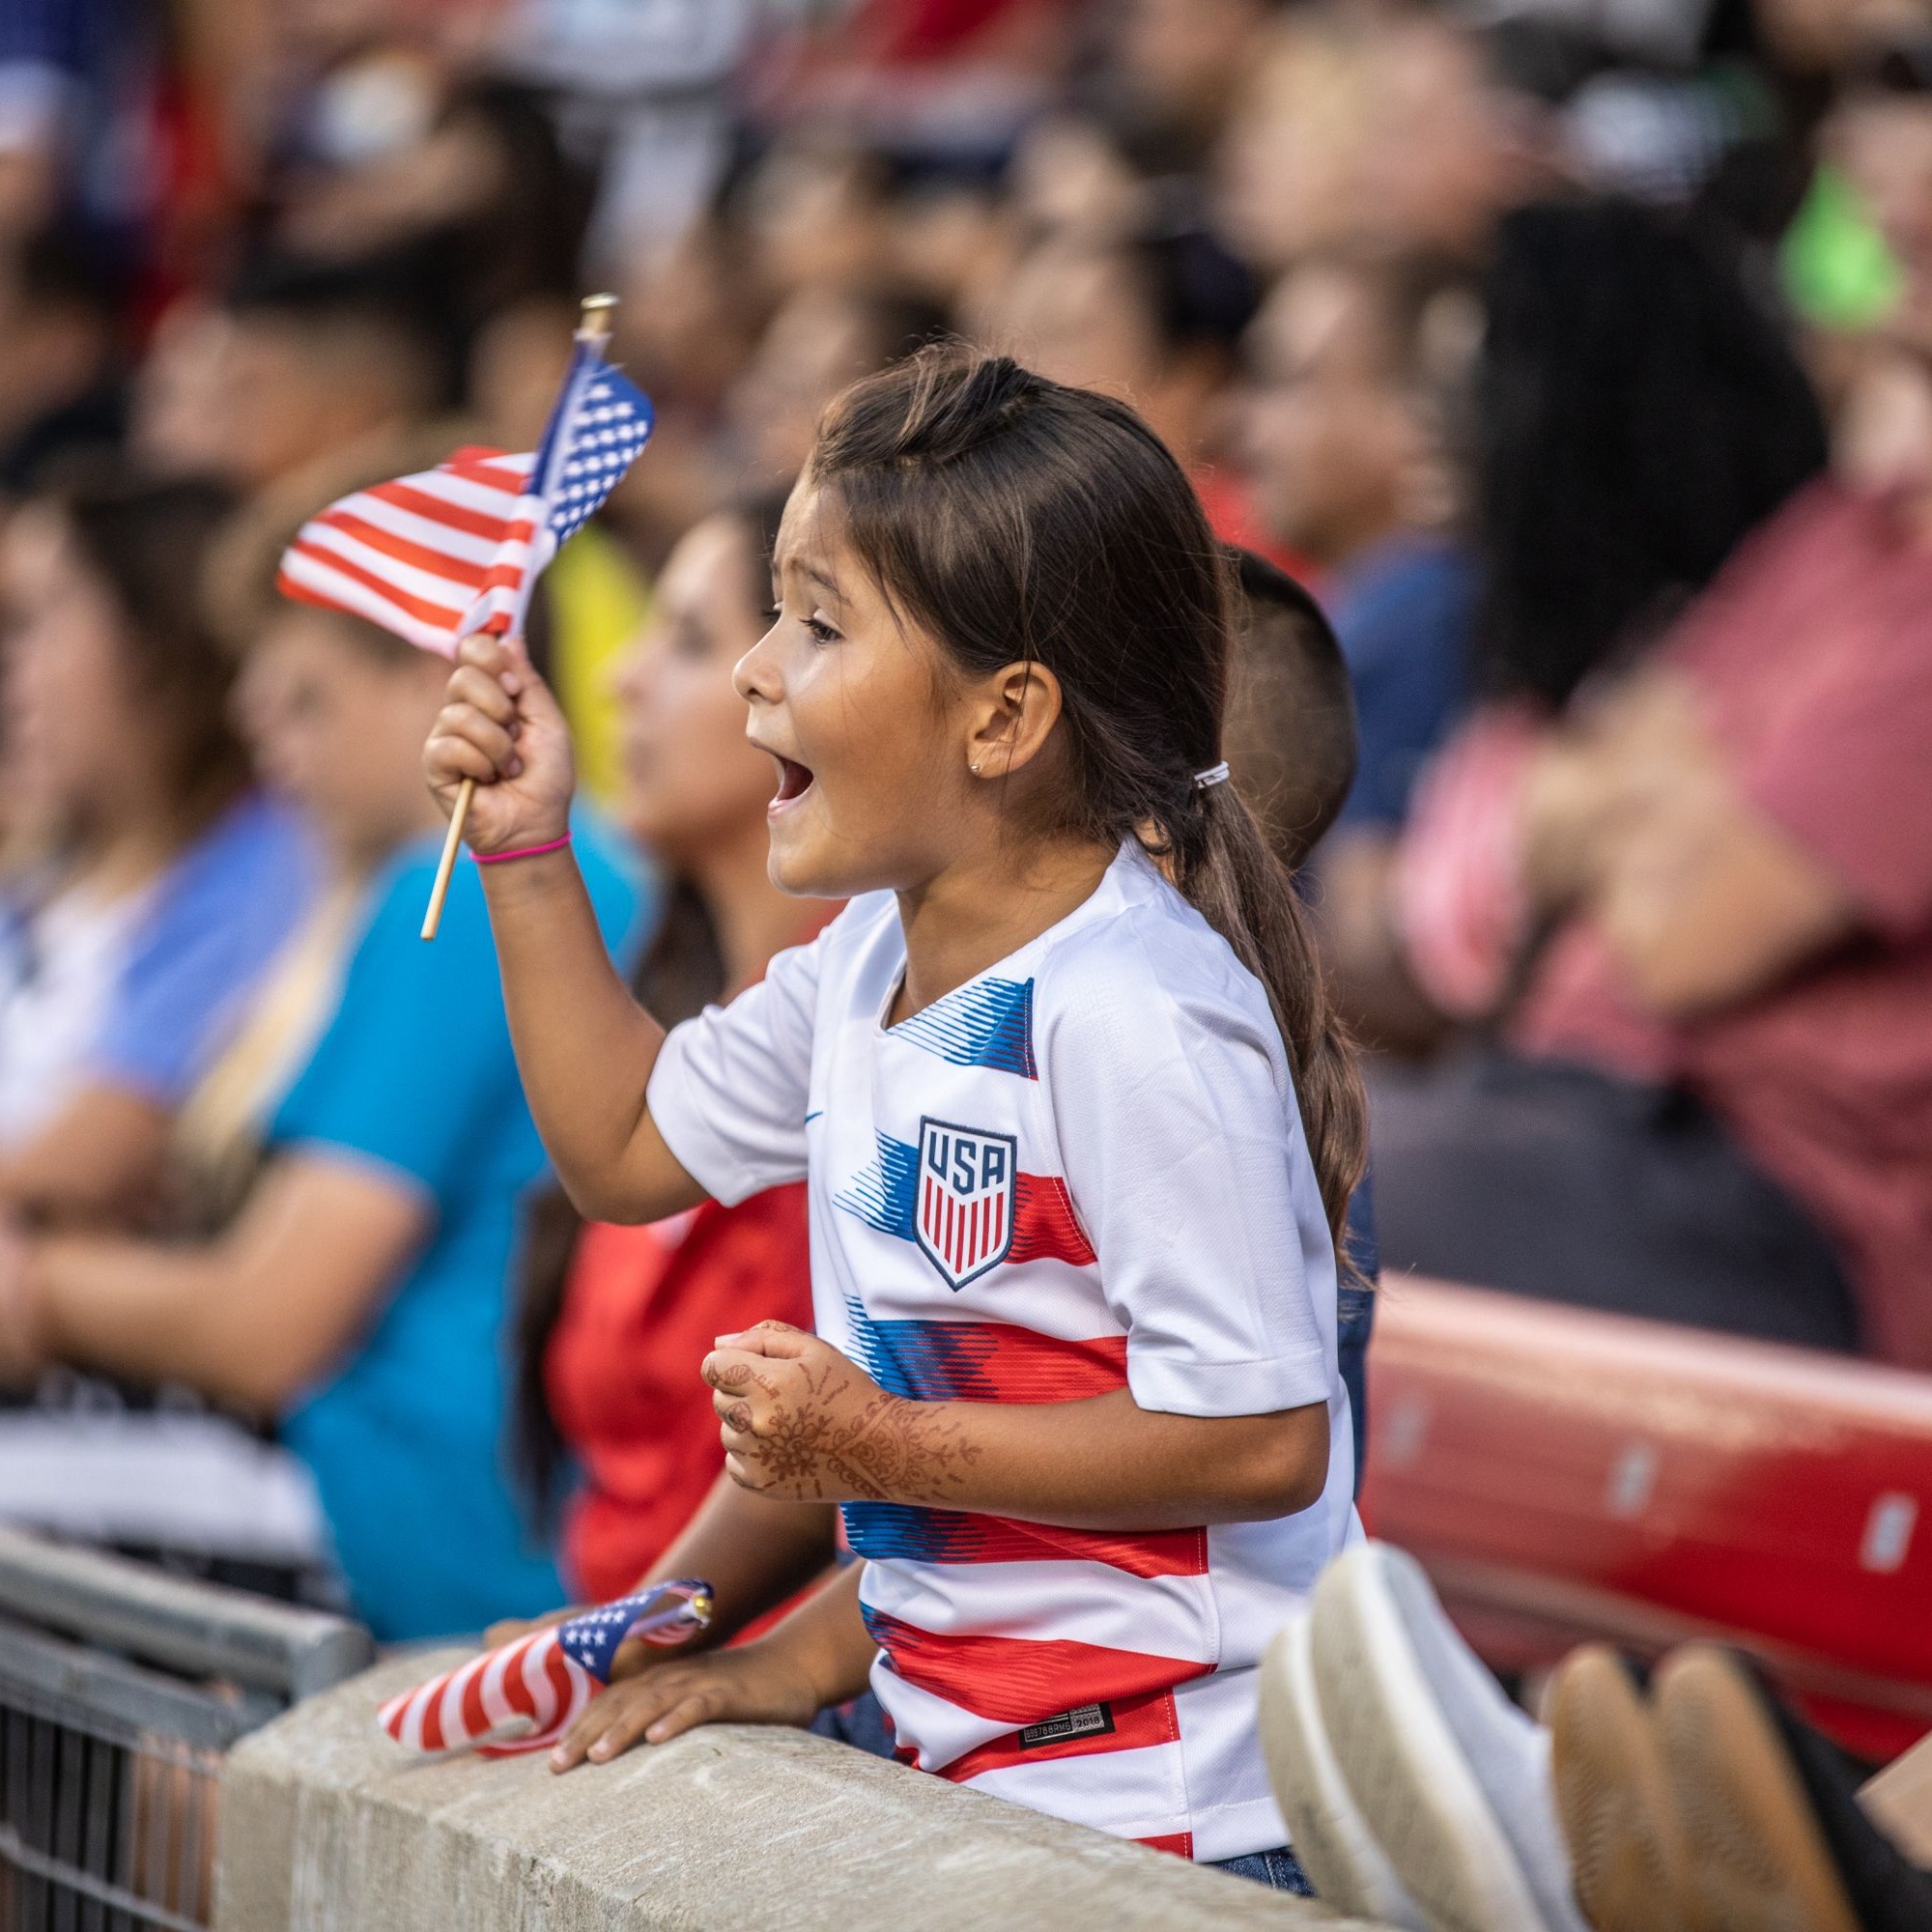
x: 821, y: 338
x: 359, y: 1295
x: 1881, y: 136
x: 1456, y: 135
x: 1351, y: 362
x: 616, y: 1320
x: 152, y: 884
x: 1287, y: 176
x: 1697, y: 906
x: 1633, y: 415
x: 1154, y: 316
x: 313, y: 358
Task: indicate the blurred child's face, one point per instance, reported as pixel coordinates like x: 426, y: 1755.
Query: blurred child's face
x: 76, y: 730
x: 692, y: 784
x: 1328, y: 430
x: 872, y: 753
x: 338, y: 728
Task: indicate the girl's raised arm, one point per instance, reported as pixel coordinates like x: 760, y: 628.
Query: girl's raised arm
x: 584, y: 1047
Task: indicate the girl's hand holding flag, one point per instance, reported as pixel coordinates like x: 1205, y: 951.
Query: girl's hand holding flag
x: 452, y: 556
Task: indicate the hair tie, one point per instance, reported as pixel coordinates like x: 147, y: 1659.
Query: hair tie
x: 1215, y: 775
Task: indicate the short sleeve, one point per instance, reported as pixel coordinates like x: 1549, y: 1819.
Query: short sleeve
x: 729, y: 1091
x: 218, y: 919
x: 1182, y: 1149
x: 418, y: 1053
x: 1834, y: 777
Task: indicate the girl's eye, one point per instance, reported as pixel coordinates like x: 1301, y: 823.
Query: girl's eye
x: 821, y: 630
x: 770, y: 614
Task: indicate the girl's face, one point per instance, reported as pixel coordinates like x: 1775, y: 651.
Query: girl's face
x: 338, y: 729
x: 873, y: 741
x: 77, y: 737
x: 692, y: 783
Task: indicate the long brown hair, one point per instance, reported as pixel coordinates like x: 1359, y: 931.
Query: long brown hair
x: 1013, y: 519
x: 149, y: 543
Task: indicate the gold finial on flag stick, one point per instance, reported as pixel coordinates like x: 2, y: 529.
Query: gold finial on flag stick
x: 593, y: 327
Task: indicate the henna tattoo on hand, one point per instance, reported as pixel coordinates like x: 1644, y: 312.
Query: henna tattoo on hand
x: 885, y: 1449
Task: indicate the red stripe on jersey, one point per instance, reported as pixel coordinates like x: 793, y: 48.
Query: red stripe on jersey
x: 1156, y: 1552
x: 1180, y: 1843
x: 1139, y: 1722
x: 1044, y: 1224
x: 1023, y: 1365
x: 1022, y: 1680
x: 985, y: 1362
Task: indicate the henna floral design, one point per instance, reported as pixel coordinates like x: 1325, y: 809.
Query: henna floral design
x: 829, y: 1433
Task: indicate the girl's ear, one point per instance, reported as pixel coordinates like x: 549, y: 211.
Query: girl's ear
x: 1011, y: 716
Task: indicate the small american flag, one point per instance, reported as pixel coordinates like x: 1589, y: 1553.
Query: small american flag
x: 456, y: 548
x: 525, y: 1695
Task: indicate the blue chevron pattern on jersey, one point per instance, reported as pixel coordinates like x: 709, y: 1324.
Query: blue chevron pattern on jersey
x: 924, y: 1361
x: 882, y: 1193
x: 984, y: 1023
x: 906, y: 1530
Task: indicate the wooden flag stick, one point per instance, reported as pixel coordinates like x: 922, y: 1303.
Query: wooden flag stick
x: 452, y: 843
x: 593, y: 326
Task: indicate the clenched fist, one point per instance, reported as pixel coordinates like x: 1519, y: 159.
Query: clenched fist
x: 500, y: 726
x: 801, y: 1423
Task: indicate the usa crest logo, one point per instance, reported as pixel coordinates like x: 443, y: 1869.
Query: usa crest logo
x: 964, y: 1218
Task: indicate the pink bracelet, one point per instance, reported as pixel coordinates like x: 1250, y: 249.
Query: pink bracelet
x: 526, y: 852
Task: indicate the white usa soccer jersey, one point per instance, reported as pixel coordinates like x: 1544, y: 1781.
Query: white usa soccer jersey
x: 1082, y: 1170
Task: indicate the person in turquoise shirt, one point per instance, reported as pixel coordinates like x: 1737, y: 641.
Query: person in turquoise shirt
x: 415, y: 1075
x: 360, y: 1295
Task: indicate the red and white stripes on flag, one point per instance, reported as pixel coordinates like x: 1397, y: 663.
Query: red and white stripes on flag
x: 431, y: 557
x: 532, y: 1682
x: 526, y: 1693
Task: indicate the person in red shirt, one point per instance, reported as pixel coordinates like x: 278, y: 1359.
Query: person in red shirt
x: 1698, y: 910
x: 616, y: 1319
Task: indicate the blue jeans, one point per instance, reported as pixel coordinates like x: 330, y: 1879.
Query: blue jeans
x: 1280, y: 1870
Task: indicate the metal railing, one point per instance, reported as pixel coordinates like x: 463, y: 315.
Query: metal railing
x: 120, y: 1690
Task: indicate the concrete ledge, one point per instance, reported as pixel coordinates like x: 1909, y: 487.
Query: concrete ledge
x: 328, y: 1827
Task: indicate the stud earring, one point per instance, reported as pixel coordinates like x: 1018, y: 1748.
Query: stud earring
x: 974, y: 769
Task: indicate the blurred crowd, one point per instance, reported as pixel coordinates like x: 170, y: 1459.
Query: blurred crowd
x: 1575, y: 354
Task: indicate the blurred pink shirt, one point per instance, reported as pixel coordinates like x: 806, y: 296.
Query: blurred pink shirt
x: 1813, y: 658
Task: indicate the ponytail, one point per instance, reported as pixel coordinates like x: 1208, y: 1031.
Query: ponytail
x: 1246, y: 894
x: 1015, y: 518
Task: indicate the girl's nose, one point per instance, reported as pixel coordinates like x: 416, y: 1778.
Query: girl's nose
x: 755, y: 677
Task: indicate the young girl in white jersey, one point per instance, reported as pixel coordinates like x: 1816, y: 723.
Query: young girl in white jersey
x: 1078, y: 1124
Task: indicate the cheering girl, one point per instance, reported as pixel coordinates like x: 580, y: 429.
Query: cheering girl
x: 1078, y: 1128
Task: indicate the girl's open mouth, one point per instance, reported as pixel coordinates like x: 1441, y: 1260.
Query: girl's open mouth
x: 794, y: 781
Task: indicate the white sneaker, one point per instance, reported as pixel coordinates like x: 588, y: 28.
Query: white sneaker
x: 1453, y: 1780
x: 1326, y: 1829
